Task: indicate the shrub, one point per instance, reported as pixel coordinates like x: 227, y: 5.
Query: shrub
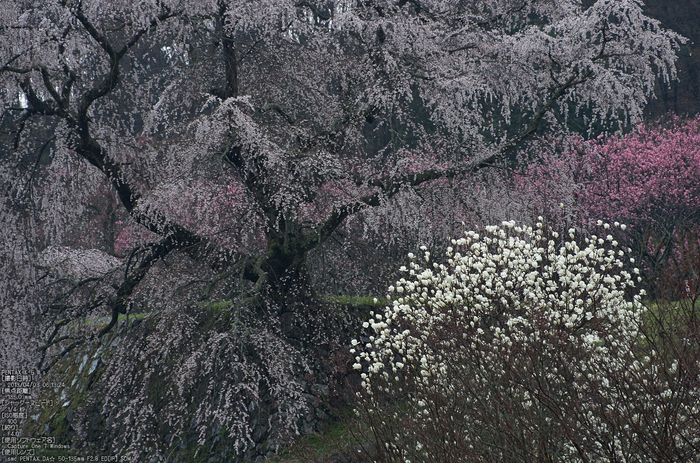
x: 526, y: 346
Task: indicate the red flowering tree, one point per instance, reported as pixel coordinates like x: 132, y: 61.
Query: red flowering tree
x: 648, y: 179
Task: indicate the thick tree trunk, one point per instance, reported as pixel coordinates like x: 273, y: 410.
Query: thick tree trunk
x: 288, y: 279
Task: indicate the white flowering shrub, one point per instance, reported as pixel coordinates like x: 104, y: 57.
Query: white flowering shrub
x: 526, y: 346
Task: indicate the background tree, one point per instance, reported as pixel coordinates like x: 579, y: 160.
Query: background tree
x: 683, y: 95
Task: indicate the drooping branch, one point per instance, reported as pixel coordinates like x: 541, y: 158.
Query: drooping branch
x: 174, y: 236
x: 152, y: 254
x: 111, y: 81
x: 61, y: 304
x: 93, y: 152
x: 8, y: 68
x: 536, y: 121
x: 253, y: 173
x: 392, y: 184
x: 386, y: 187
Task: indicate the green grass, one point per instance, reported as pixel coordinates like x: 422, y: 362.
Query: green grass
x: 137, y: 316
x: 664, y: 321
x: 104, y: 320
x: 337, y: 437
x: 357, y: 300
